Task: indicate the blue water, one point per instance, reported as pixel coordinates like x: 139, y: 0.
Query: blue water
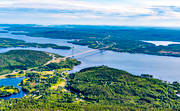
x: 12, y: 82
x: 162, y: 67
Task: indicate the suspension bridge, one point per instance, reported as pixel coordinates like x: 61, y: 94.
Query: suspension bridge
x: 91, y: 50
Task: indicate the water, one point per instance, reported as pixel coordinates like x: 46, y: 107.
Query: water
x: 163, y: 43
x: 12, y: 82
x: 162, y: 67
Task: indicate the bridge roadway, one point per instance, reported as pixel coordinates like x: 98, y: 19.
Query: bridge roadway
x: 92, y: 50
x: 81, y: 53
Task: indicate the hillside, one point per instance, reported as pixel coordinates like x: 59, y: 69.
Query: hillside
x: 22, y: 59
x: 94, y: 89
x: 109, y: 86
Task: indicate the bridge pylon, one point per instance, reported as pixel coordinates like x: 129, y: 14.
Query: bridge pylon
x: 73, y: 52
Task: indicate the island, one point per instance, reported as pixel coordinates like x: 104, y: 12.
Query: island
x: 11, y: 43
x: 131, y: 46
x: 8, y: 90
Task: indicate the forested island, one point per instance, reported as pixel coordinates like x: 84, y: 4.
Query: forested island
x: 131, y: 46
x: 9, y: 43
x: 8, y: 90
x: 120, y: 39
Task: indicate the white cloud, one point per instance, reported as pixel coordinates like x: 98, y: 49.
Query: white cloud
x: 77, y: 5
x: 135, y: 12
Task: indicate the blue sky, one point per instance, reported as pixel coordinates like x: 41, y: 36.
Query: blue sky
x: 91, y: 12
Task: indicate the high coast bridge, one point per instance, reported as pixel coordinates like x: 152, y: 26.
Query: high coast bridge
x: 85, y: 52
x: 91, y: 50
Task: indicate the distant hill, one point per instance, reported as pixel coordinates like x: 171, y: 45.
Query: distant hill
x: 120, y: 39
x: 84, y: 31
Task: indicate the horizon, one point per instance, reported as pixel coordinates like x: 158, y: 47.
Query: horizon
x: 145, y: 13
x: 130, y: 26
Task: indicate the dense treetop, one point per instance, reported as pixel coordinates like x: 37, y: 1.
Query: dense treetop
x: 111, y: 86
x: 22, y: 59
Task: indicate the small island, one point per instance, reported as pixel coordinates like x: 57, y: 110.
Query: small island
x: 8, y: 90
x: 9, y: 43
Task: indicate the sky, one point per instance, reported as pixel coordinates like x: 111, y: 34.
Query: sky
x: 164, y: 13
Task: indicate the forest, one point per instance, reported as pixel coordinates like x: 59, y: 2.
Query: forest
x: 95, y: 88
x: 110, y: 86
x: 22, y: 60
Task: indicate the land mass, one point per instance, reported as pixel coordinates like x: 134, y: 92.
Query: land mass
x: 120, y: 39
x: 15, y: 62
x: 108, y: 86
x: 22, y: 60
x: 11, y: 43
x: 8, y: 90
x: 92, y: 89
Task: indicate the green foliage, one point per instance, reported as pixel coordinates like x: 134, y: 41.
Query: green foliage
x: 7, y: 42
x: 94, y: 89
x: 22, y: 59
x: 111, y: 86
x: 8, y: 90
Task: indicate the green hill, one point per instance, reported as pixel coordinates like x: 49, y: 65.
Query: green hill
x: 94, y: 89
x: 22, y: 59
x: 108, y: 86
